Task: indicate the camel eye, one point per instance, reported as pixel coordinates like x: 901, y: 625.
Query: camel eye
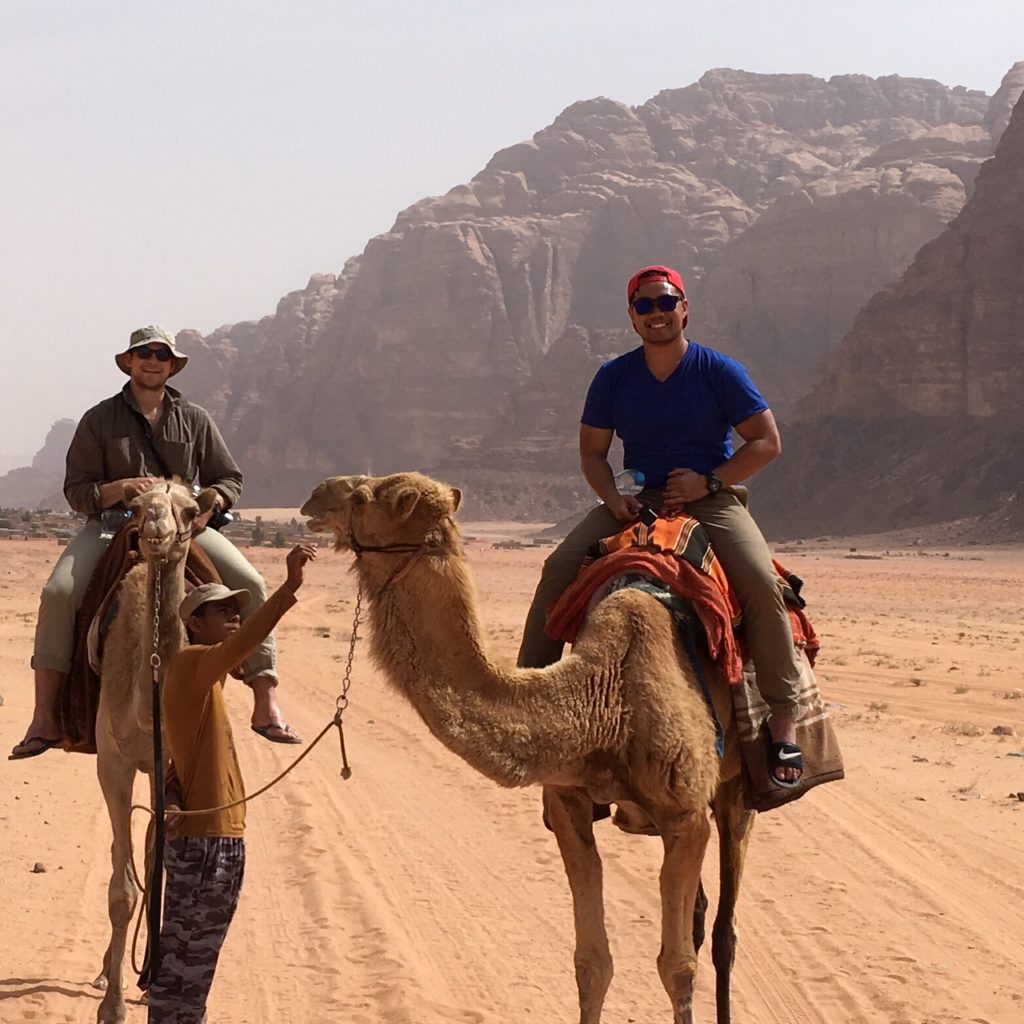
x: 190, y: 512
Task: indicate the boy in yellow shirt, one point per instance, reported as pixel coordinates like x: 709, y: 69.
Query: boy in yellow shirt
x: 205, y: 854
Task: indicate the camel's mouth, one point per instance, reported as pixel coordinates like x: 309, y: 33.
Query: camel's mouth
x: 155, y: 545
x: 319, y: 525
x: 321, y: 522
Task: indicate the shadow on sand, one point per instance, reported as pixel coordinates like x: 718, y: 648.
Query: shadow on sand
x: 50, y: 986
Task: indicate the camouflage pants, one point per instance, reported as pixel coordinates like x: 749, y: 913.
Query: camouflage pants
x: 204, y: 877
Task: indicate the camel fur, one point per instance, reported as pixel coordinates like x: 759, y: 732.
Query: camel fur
x: 621, y: 719
x: 163, y: 517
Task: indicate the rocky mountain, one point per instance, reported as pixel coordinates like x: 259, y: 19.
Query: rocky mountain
x: 461, y: 341
x: 41, y: 484
x: 918, y: 418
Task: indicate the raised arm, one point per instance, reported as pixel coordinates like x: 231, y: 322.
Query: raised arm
x: 220, y: 659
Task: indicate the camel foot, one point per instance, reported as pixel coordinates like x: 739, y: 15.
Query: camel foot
x: 112, y: 1015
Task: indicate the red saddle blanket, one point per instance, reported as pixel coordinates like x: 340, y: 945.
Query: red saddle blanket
x: 677, y: 552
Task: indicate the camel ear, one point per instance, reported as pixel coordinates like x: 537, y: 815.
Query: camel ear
x: 456, y: 499
x: 205, y: 499
x: 405, y: 502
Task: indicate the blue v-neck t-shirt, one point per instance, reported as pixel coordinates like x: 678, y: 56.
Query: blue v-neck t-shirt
x: 683, y: 422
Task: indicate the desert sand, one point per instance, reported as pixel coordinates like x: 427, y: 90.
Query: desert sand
x: 418, y: 893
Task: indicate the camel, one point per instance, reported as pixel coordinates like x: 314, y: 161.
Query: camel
x: 124, y: 717
x: 621, y: 719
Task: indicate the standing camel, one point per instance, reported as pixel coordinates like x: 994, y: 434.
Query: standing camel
x: 163, y: 517
x: 622, y: 719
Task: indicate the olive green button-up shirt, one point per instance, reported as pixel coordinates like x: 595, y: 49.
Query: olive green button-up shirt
x: 114, y: 441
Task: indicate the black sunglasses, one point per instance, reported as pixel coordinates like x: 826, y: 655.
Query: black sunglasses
x: 145, y: 352
x: 663, y: 303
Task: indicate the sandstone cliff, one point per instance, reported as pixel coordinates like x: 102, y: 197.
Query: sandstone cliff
x: 461, y: 341
x: 41, y: 484
x: 786, y: 200
x: 919, y: 417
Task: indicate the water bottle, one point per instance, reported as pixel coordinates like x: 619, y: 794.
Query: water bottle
x: 629, y: 481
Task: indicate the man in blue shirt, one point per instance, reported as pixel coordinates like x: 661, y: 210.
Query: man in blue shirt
x: 674, y: 404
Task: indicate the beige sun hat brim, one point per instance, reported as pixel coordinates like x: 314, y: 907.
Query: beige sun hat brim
x: 151, y: 335
x: 212, y: 592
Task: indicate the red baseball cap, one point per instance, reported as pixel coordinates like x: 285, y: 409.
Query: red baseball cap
x: 673, y: 277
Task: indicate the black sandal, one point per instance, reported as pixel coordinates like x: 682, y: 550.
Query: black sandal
x: 784, y: 755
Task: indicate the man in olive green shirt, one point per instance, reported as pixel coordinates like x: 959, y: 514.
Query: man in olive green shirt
x: 145, y: 433
x: 205, y: 853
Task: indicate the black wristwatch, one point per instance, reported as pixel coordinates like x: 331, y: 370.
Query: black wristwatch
x: 714, y: 484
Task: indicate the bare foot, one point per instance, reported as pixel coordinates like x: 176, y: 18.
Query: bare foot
x: 277, y: 732
x: 34, y: 744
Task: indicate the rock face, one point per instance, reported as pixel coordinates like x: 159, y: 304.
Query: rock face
x: 461, y: 341
x: 919, y: 417
x: 41, y: 484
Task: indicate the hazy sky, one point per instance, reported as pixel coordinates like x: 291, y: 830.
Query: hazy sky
x: 189, y: 163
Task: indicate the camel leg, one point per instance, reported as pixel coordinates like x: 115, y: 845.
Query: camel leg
x: 116, y: 781
x: 570, y: 813
x: 685, y: 837
x: 100, y: 981
x: 735, y: 825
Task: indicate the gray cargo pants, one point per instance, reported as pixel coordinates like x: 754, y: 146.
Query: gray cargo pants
x: 204, y: 878
x: 747, y: 561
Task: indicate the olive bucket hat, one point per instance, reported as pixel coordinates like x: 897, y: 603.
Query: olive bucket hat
x: 151, y: 335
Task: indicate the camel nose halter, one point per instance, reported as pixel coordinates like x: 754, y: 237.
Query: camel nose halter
x: 417, y: 550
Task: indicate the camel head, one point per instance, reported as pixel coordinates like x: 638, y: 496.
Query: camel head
x: 364, y: 511
x: 164, y: 515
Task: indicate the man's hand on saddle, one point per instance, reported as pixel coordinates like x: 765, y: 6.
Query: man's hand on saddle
x: 200, y: 521
x: 682, y: 485
x: 624, y: 507
x: 296, y: 561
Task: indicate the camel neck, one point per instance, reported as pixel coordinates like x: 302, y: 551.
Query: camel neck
x: 170, y: 631
x: 427, y: 638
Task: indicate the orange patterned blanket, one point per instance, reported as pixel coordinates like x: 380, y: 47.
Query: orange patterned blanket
x: 678, y: 552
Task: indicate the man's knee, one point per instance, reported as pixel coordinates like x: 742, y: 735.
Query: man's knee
x: 57, y: 593
x: 758, y: 588
x: 235, y: 566
x: 256, y: 585
x: 560, y: 562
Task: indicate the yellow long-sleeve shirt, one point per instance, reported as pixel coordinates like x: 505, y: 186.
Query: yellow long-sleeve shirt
x: 203, y: 760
